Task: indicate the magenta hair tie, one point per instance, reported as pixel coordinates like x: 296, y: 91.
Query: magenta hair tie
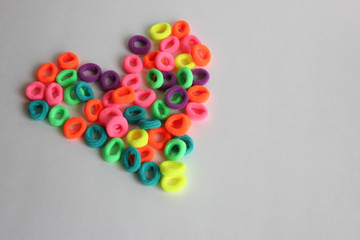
x: 164, y: 61
x: 35, y: 91
x: 93, y: 68
x: 117, y: 127
x: 196, y: 111
x: 169, y: 80
x: 144, y: 41
x: 170, y: 44
x: 132, y: 64
x: 201, y: 76
x: 112, y: 77
x: 107, y: 113
x: 144, y: 98
x: 172, y: 91
x: 188, y: 42
x: 54, y: 94
x: 131, y: 80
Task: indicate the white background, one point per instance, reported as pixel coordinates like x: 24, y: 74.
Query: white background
x: 278, y: 157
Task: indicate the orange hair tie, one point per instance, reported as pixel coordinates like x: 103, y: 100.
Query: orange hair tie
x: 68, y: 60
x: 146, y: 153
x: 201, y: 55
x: 178, y: 124
x: 92, y: 109
x: 123, y: 95
x: 158, y: 143
x: 149, y: 59
x: 198, y: 93
x: 70, y: 124
x: 180, y: 29
x: 47, y: 73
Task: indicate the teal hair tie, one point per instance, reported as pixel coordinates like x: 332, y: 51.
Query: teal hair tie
x: 38, y: 109
x: 98, y: 141
x: 149, y: 123
x: 146, y: 167
x: 134, y: 114
x: 126, y: 159
x: 83, y: 91
x: 189, y: 143
x: 58, y: 115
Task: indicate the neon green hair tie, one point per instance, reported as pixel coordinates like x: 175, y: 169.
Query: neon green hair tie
x: 160, y: 110
x: 113, y: 149
x: 58, y: 115
x: 175, y: 149
x: 70, y: 95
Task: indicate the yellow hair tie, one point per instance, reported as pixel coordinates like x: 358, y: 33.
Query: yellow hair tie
x: 160, y: 31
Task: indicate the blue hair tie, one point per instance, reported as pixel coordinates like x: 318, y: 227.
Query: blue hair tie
x: 38, y: 109
x: 125, y: 159
x: 134, y: 114
x: 149, y: 123
x: 95, y: 142
x: 149, y: 166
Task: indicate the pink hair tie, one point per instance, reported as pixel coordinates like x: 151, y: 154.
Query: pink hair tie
x: 170, y: 44
x: 196, y: 111
x: 107, y: 99
x: 145, y: 98
x: 117, y: 127
x: 107, y: 113
x: 132, y: 64
x: 188, y: 42
x: 54, y: 94
x: 131, y: 80
x: 35, y: 91
x: 164, y: 61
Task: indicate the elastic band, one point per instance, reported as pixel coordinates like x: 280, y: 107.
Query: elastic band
x: 164, y: 61
x: 185, y: 77
x: 117, y: 126
x: 202, y: 59
x: 144, y: 49
x: 47, y: 73
x: 201, y: 76
x: 169, y: 80
x: 134, y: 114
x: 160, y: 110
x: 146, y: 167
x: 170, y: 44
x: 198, y: 93
x: 137, y: 138
x: 149, y: 123
x: 147, y: 153
x: 35, y: 91
x: 173, y: 184
x: 131, y: 80
x: 95, y: 141
x: 131, y: 159
x: 123, y: 95
x: 180, y: 29
x: 160, y: 31
x: 38, y: 109
x: 67, y: 77
x: 108, y: 153
x: 92, y: 109
x: 180, y: 90
x: 149, y: 59
x: 188, y: 42
x: 196, y: 111
x: 107, y: 113
x: 54, y: 94
x: 93, y: 68
x: 107, y: 99
x: 156, y: 142
x: 184, y: 60
x: 83, y: 91
x: 74, y: 133
x: 145, y: 97
x: 178, y: 124
x: 132, y: 64
x: 70, y: 95
x: 68, y: 60
x: 109, y: 80
x: 189, y: 143
x: 58, y: 115
x: 175, y: 149
x: 172, y: 168
x: 154, y: 78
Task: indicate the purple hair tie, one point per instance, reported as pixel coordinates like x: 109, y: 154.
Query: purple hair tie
x: 169, y: 80
x: 144, y: 49
x: 89, y: 67
x: 201, y: 76
x: 172, y: 91
x: 114, y: 80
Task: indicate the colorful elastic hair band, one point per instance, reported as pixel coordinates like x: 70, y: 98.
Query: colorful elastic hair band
x: 107, y: 113
x: 113, y: 149
x: 175, y: 149
x: 160, y: 110
x: 178, y: 124
x: 130, y: 159
x: 158, y: 142
x: 147, y: 153
x: 117, y: 126
x: 201, y: 55
x: 92, y: 68
x: 169, y: 80
x: 70, y: 95
x: 189, y: 143
x: 154, y: 78
x: 69, y: 125
x: 131, y: 80
x: 67, y: 77
x: 172, y: 91
x: 149, y: 59
x: 107, y: 99
x: 134, y: 114
x: 172, y: 168
x: 143, y: 41
x: 54, y: 94
x: 35, y: 91
x: 196, y: 111
x: 95, y: 136
x: 170, y: 44
x: 185, y: 77
x: 38, y: 109
x: 92, y: 109
x: 173, y: 184
x: 201, y: 76
x: 47, y: 73
x: 149, y: 123
x: 198, y: 93
x: 137, y: 138
x: 184, y: 60
x: 123, y: 95
x: 132, y: 64
x: 145, y: 97
x: 58, y: 115
x: 188, y: 42
x: 83, y: 91
x: 160, y: 31
x: 109, y: 80
x: 156, y: 175
x: 68, y: 60
x: 180, y: 29
x: 164, y: 61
